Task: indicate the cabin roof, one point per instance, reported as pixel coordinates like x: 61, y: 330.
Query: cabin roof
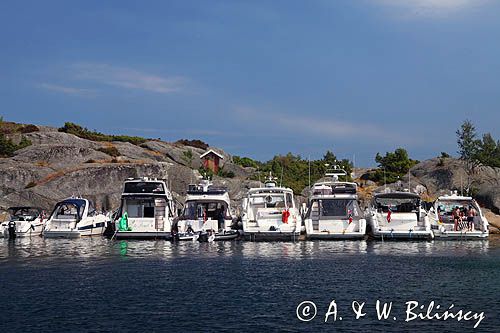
x: 24, y: 207
x: 397, y: 195
x: 259, y: 190
x: 211, y: 151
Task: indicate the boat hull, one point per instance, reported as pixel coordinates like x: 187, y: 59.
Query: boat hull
x: 205, y: 237
x: 98, y: 231
x: 461, y: 235
x: 335, y: 236
x: 271, y: 236
x: 143, y: 235
x: 27, y: 233
x: 402, y: 235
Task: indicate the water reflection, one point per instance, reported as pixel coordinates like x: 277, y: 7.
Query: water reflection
x: 429, y: 248
x: 101, y: 248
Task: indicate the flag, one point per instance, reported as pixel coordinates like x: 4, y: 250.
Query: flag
x: 285, y: 215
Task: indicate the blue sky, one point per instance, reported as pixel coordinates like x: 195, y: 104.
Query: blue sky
x: 258, y: 78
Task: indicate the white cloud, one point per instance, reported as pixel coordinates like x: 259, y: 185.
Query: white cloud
x: 128, y: 78
x: 65, y: 89
x: 430, y: 8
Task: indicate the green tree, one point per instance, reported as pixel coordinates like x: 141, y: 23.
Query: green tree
x: 489, y: 151
x: 392, y: 166
x: 468, y: 149
x: 293, y: 171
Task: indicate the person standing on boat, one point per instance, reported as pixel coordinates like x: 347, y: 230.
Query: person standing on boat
x: 221, y: 218
x: 470, y: 218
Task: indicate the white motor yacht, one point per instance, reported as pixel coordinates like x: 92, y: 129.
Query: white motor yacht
x: 207, y: 214
x: 24, y: 221
x: 270, y: 213
x: 333, y: 211
x: 147, y: 210
x: 75, y: 217
x: 457, y: 217
x: 398, y: 215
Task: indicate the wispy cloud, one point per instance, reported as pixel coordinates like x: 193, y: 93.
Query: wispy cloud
x: 320, y: 126
x: 185, y: 131
x: 128, y: 78
x: 430, y: 8
x: 66, y: 89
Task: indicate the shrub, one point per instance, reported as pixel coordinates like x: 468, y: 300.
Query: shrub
x: 135, y: 140
x: 225, y: 174
x: 42, y: 163
x: 25, y: 142
x: 206, y: 173
x: 30, y: 185
x: 445, y: 155
x: 7, y: 147
x: 193, y: 143
x: 111, y: 151
x: 84, y: 133
x: 245, y: 162
x: 187, y: 156
x: 28, y: 129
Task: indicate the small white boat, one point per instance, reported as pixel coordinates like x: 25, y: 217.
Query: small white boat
x: 147, y: 210
x: 470, y: 223
x: 25, y: 221
x: 207, y: 215
x: 73, y: 218
x: 269, y: 213
x: 398, y: 215
x: 333, y: 211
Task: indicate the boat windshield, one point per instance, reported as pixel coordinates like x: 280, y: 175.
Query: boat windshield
x: 70, y: 209
x: 24, y: 214
x: 447, y: 207
x: 341, y: 208
x: 205, y: 209
x: 272, y: 200
x: 397, y: 205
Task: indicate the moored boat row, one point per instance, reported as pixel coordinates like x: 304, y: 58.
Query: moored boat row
x: 149, y: 211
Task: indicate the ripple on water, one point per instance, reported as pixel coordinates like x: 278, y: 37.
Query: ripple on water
x: 94, y: 284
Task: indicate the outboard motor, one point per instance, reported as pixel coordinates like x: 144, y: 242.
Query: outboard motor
x: 202, y: 238
x: 12, y: 229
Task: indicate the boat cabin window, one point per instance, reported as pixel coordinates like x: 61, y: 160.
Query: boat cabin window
x: 139, y: 208
x: 205, y: 209
x: 92, y: 211
x: 268, y: 200
x: 144, y: 187
x: 289, y: 200
x: 397, y: 205
x: 336, y: 207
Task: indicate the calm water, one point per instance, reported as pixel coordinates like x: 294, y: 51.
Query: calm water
x: 97, y: 285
